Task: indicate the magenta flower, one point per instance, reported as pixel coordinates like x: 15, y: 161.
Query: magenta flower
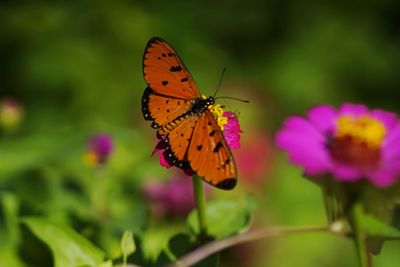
x: 230, y: 126
x: 350, y: 143
x: 232, y: 130
x: 99, y: 149
x: 174, y: 197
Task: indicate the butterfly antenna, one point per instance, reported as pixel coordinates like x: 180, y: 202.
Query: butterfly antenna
x: 220, y: 82
x: 234, y: 98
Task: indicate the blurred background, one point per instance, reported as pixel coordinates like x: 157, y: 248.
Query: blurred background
x: 74, y: 146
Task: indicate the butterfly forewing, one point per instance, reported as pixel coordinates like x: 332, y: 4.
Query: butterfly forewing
x: 165, y: 72
x: 162, y: 109
x: 209, y: 155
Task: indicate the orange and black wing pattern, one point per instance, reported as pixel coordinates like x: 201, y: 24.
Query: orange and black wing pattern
x: 192, y: 139
x: 165, y: 72
x: 209, y: 154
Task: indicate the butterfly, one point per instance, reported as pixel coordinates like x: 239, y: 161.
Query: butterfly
x: 182, y: 117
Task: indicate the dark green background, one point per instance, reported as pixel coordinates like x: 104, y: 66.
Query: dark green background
x: 76, y: 68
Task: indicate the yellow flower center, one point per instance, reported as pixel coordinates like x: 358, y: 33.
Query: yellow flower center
x: 90, y: 158
x: 363, y: 129
x: 218, y: 112
x: 357, y: 140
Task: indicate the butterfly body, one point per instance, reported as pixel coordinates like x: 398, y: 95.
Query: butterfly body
x: 183, y: 117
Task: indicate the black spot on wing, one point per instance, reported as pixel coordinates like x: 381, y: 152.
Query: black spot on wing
x: 199, y: 147
x: 164, y: 83
x: 175, y: 68
x: 217, y: 147
x: 184, y: 79
x: 211, y: 134
x: 227, y: 184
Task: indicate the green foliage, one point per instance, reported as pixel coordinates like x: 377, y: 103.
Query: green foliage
x: 225, y: 217
x: 127, y: 245
x: 68, y: 247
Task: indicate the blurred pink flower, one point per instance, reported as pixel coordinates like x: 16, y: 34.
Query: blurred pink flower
x: 99, y: 149
x: 173, y: 197
x: 255, y: 159
x: 11, y: 114
x: 350, y: 143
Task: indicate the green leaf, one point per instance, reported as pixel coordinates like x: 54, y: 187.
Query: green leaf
x: 106, y: 264
x: 10, y: 206
x: 224, y: 217
x: 182, y: 244
x: 376, y: 230
x: 127, y: 245
x: 68, y: 247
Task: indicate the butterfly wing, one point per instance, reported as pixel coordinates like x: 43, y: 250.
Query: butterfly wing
x: 195, y: 140
x: 209, y: 155
x: 162, y: 109
x: 165, y: 72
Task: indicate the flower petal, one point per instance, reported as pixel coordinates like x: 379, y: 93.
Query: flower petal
x: 164, y: 162
x: 323, y: 118
x: 305, y: 145
x: 353, y: 109
x: 346, y: 173
x: 388, y: 118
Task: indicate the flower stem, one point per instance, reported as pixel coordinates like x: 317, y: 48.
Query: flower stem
x: 360, y: 238
x: 200, y: 198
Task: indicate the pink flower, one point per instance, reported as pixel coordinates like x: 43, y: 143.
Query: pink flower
x: 173, y: 197
x: 255, y: 159
x: 99, y: 149
x: 350, y: 143
x: 231, y: 131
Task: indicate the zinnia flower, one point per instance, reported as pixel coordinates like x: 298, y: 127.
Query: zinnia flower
x: 227, y: 121
x: 99, y: 149
x: 350, y: 143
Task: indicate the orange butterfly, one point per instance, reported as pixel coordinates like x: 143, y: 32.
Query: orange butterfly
x: 173, y: 103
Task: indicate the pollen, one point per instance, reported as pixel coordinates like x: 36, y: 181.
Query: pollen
x: 218, y: 112
x: 362, y: 129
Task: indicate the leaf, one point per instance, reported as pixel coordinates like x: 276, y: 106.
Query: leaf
x: 106, y: 264
x: 376, y: 230
x: 224, y: 217
x: 182, y: 244
x: 127, y: 245
x: 67, y: 246
x: 10, y: 205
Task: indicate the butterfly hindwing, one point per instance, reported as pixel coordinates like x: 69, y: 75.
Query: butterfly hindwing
x: 165, y: 72
x: 209, y: 155
x: 180, y: 137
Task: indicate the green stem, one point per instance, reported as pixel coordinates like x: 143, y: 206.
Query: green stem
x: 360, y: 237
x: 200, y: 203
